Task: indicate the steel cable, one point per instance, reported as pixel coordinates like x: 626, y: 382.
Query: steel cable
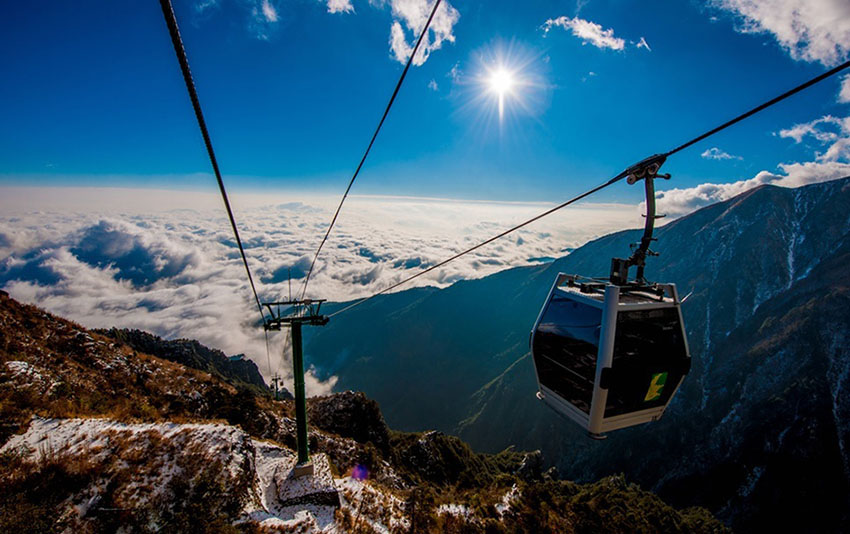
x: 180, y: 51
x: 369, y: 147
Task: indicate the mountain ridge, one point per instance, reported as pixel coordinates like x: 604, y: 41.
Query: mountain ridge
x: 237, y: 370
x: 763, y: 250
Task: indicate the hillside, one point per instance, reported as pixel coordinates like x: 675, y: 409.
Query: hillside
x: 236, y: 370
x: 759, y: 430
x: 99, y: 437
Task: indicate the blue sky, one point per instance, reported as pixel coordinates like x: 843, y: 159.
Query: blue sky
x: 109, y: 214
x: 92, y: 95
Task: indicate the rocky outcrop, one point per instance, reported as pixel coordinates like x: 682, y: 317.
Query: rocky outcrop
x: 352, y: 415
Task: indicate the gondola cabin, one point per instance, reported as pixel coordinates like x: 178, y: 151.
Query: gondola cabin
x: 609, y: 356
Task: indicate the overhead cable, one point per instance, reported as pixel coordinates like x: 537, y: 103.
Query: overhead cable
x: 613, y: 180
x: 369, y: 147
x: 761, y: 107
x: 177, y: 41
x: 479, y: 245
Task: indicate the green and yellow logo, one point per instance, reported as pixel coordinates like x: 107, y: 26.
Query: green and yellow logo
x: 656, y: 386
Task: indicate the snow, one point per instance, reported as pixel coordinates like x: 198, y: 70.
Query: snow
x: 74, y: 436
x: 459, y: 510
x: 358, y: 496
x: 504, y: 504
x: 268, y: 466
x: 708, y: 356
x: 21, y: 368
x: 28, y: 375
x: 837, y: 375
x: 752, y: 480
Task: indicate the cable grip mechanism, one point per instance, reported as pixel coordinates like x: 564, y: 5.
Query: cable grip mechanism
x: 646, y: 170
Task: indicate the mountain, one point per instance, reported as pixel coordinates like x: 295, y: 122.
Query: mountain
x: 759, y: 431
x: 237, y: 370
x: 98, y: 436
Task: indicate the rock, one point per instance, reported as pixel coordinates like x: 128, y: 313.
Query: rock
x: 531, y: 467
x: 352, y: 415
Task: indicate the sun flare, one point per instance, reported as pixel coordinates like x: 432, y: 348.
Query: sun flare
x: 508, y: 84
x: 501, y: 81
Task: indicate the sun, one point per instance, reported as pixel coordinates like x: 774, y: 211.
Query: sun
x: 505, y: 84
x: 501, y: 82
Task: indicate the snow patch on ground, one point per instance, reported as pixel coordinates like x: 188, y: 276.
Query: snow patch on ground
x: 508, y: 498
x: 459, y: 510
x: 31, y: 376
x: 75, y: 436
x: 272, y: 492
x: 367, y: 504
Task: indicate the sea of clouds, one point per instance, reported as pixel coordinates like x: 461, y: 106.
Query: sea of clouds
x: 166, y: 262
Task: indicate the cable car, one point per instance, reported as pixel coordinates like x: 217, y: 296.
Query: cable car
x: 612, y: 353
x: 608, y: 358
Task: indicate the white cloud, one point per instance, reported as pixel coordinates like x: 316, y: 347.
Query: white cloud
x: 716, y: 153
x: 844, y: 92
x: 269, y: 11
x: 413, y: 15
x: 120, y: 258
x: 679, y: 202
x: 398, y: 43
x: 587, y: 31
x: 831, y: 132
x: 455, y: 72
x: 261, y: 15
x: 643, y: 44
x: 409, y: 17
x: 580, y: 5
x: 839, y: 150
x: 432, y: 85
x: 810, y: 30
x: 813, y: 128
x: 263, y: 19
x: 340, y: 6
x: 589, y: 75
x: 203, y: 5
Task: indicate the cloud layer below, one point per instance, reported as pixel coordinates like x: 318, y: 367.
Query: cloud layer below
x: 177, y: 272
x: 140, y: 259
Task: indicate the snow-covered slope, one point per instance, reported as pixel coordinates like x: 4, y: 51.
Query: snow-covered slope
x: 150, y: 461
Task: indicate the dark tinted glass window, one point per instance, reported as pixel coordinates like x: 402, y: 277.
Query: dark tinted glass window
x: 565, y: 347
x: 649, y: 360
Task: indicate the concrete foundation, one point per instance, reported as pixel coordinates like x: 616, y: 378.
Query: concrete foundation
x: 310, y: 483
